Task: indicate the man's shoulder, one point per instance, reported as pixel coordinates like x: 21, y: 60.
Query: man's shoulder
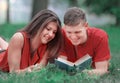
x: 97, y: 32
x: 94, y: 29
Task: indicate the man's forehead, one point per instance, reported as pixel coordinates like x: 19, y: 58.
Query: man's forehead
x: 78, y: 27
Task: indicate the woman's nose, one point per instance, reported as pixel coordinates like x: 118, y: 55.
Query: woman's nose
x: 51, y: 34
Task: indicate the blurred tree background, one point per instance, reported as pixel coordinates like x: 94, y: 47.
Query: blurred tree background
x: 106, y: 6
x: 98, y: 12
x: 36, y: 7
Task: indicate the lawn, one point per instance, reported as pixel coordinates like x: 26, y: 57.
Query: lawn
x: 51, y: 74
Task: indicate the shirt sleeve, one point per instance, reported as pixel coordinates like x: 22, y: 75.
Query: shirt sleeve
x: 102, y: 51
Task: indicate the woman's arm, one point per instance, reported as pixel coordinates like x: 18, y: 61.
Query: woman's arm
x: 40, y: 65
x: 14, y: 52
x: 14, y: 56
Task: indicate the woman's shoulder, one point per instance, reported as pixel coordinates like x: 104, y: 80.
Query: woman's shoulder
x: 17, y: 35
x: 17, y: 38
x: 20, y: 35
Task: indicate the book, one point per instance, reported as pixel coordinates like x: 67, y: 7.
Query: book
x: 81, y: 64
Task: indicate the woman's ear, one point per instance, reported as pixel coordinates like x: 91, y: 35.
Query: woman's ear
x: 86, y: 24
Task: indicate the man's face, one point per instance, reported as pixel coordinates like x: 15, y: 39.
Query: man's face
x: 76, y: 34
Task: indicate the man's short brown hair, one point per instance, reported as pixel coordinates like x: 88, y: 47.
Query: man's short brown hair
x: 74, y: 16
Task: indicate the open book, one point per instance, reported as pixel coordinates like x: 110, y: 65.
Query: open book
x: 81, y: 64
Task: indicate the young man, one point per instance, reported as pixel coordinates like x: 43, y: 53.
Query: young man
x: 80, y: 39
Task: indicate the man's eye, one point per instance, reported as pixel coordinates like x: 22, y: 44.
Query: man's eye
x: 69, y: 32
x: 78, y: 32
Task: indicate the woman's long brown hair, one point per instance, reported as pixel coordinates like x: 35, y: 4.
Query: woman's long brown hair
x: 38, y: 23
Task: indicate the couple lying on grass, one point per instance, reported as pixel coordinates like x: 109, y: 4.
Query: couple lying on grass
x: 43, y: 40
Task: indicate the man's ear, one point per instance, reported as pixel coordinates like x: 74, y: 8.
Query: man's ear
x: 63, y: 27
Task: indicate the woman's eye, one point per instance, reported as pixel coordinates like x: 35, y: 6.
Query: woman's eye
x: 47, y: 28
x: 54, y: 32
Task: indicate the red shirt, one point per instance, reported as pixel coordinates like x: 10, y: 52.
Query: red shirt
x: 96, y: 46
x: 26, y: 59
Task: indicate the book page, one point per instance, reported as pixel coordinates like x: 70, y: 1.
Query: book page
x: 82, y: 59
x: 65, y: 61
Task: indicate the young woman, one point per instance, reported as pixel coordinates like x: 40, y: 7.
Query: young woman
x: 32, y: 47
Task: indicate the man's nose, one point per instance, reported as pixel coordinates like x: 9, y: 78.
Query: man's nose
x: 73, y: 36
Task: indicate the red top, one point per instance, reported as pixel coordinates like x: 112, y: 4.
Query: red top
x: 26, y: 59
x: 96, y: 46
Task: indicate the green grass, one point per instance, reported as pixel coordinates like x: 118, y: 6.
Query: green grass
x: 7, y: 30
x: 51, y: 74
x: 114, y: 41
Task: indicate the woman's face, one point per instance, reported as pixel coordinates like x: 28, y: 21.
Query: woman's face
x: 48, y: 32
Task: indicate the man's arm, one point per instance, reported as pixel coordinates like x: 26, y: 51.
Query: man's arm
x: 100, y: 68
x: 102, y: 54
